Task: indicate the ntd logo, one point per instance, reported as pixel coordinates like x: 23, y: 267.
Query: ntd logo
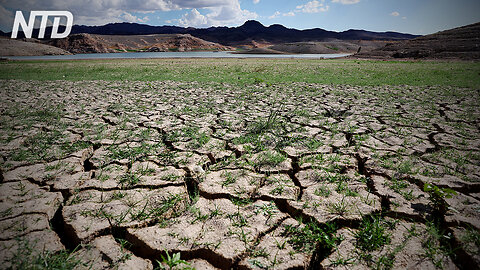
x: 28, y: 28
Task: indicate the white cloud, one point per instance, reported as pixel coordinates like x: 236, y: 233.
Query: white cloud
x: 256, y: 1
x: 312, y: 7
x: 7, y: 18
x: 225, y: 15
x: 229, y: 15
x: 278, y: 14
x: 346, y: 2
x: 193, y: 18
x: 97, y: 12
x: 395, y: 14
x: 132, y: 18
x: 275, y: 15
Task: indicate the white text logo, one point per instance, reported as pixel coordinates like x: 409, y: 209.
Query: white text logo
x: 28, y: 28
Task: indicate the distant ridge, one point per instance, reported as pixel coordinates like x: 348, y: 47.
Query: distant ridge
x: 233, y: 36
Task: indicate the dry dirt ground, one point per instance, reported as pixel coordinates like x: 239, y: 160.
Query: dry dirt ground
x: 285, y: 176
x: 12, y: 47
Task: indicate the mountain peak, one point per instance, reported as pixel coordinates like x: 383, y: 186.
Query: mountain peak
x: 277, y: 26
x: 252, y: 24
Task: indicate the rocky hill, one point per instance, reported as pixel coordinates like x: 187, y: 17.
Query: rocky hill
x: 91, y: 43
x: 457, y: 43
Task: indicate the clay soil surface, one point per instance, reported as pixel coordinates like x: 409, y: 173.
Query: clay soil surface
x: 116, y: 174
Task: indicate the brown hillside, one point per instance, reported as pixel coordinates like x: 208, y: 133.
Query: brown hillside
x: 13, y: 47
x: 458, y: 43
x: 332, y: 46
x: 90, y: 43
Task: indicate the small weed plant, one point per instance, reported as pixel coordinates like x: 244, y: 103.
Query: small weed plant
x: 438, y: 196
x: 173, y: 262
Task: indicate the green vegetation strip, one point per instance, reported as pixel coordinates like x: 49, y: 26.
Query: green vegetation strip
x: 252, y: 71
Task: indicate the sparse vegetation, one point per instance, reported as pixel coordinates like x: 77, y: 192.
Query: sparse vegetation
x: 372, y: 233
x: 307, y: 237
x: 204, y: 156
x: 436, y: 246
x: 28, y: 257
x: 344, y: 72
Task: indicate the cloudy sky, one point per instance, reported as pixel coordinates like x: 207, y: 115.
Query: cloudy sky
x: 408, y: 16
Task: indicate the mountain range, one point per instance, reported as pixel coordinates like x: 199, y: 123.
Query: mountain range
x: 252, y: 37
x: 234, y: 36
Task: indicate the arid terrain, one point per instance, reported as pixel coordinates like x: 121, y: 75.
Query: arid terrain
x: 334, y: 46
x: 252, y: 36
x: 321, y: 47
x: 90, y: 43
x: 459, y: 43
x: 253, y: 175
x: 462, y: 43
x: 12, y: 47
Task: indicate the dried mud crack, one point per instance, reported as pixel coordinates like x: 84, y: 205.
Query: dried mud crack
x: 288, y: 176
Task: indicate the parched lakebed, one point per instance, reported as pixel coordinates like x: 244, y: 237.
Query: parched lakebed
x: 118, y: 174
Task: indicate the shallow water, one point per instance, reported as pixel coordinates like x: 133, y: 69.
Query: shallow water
x: 208, y: 54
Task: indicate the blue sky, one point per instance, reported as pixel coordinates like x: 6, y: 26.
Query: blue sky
x: 408, y: 16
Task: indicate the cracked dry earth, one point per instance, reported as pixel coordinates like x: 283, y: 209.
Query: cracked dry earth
x: 287, y: 176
